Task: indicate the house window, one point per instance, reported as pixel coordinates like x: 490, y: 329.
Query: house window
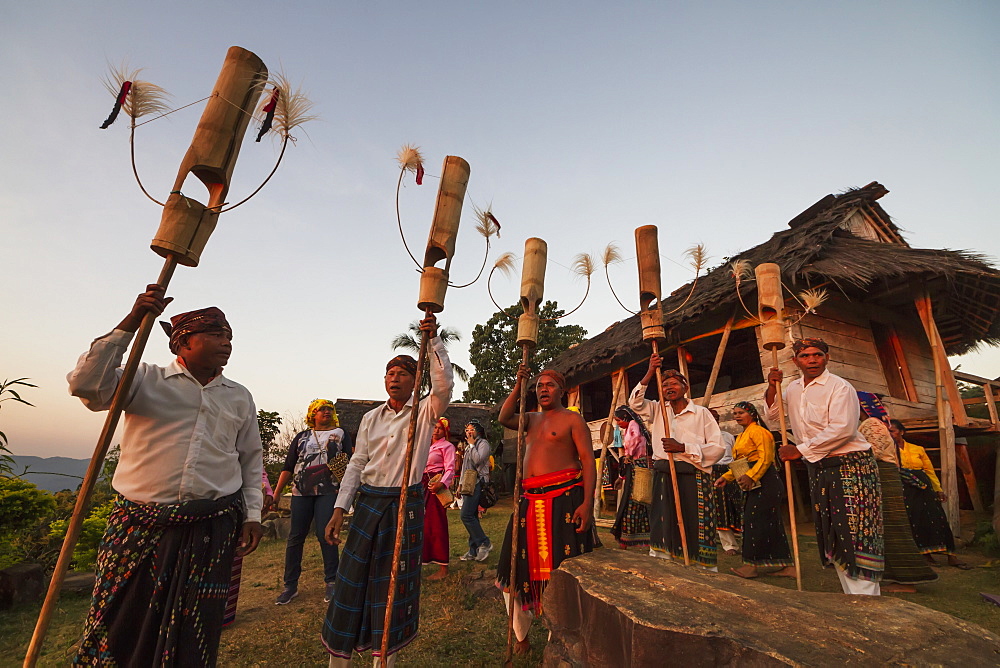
x: 893, y: 361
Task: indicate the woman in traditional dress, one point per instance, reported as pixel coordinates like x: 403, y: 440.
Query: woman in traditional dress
x: 438, y: 473
x: 923, y: 495
x: 764, y: 540
x: 904, y: 566
x: 631, y: 525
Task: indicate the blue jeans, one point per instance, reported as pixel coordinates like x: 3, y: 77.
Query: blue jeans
x: 470, y: 518
x: 307, y: 511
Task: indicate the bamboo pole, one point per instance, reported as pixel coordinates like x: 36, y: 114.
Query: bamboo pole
x: 770, y: 309
x: 717, y: 364
x: 86, y: 491
x: 532, y: 289
x: 411, y: 437
x: 185, y: 227
x: 433, y: 287
x: 647, y: 253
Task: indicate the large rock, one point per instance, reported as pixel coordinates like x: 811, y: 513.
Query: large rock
x: 616, y: 608
x: 21, y: 583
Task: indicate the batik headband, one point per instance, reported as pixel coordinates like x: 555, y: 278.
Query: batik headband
x: 209, y: 319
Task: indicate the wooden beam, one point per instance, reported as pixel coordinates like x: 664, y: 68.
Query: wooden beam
x: 717, y: 364
x: 926, y: 312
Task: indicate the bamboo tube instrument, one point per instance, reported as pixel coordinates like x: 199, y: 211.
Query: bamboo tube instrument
x: 647, y: 252
x: 185, y: 227
x: 433, y: 286
x: 770, y: 312
x: 532, y: 290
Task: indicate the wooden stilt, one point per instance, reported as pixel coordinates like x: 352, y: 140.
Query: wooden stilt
x: 86, y: 490
x: 717, y: 364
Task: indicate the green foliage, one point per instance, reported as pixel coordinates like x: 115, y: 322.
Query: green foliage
x: 91, y: 534
x: 8, y: 393
x: 495, y: 354
x: 24, y: 509
x: 269, y: 423
x: 410, y: 342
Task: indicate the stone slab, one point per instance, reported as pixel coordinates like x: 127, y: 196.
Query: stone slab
x: 622, y: 609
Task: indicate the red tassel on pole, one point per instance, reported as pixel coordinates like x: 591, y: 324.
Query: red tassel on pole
x: 269, y: 109
x: 122, y: 96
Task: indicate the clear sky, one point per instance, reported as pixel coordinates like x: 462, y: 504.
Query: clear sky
x: 716, y: 121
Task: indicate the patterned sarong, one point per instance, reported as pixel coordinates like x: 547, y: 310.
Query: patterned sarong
x: 163, y: 575
x: 355, y: 618
x: 903, y: 562
x: 546, y: 534
x: 764, y: 539
x: 233, y: 597
x: 728, y: 503
x: 631, y: 525
x: 697, y: 508
x: 847, y: 511
x: 928, y: 520
x: 436, y: 547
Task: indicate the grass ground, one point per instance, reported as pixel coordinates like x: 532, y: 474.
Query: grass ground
x: 462, y: 623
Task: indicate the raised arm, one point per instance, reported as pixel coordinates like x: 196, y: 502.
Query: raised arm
x: 509, y: 411
x: 442, y: 376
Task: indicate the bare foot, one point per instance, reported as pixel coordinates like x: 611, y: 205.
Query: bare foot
x: 440, y: 575
x: 522, y: 647
x: 786, y: 572
x: 746, y: 571
x: 953, y: 561
x: 930, y: 560
x: 732, y: 552
x: 899, y: 588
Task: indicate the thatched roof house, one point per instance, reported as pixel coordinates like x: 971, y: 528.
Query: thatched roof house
x: 893, y: 315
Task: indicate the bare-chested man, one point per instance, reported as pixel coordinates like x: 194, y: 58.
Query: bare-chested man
x: 557, y: 496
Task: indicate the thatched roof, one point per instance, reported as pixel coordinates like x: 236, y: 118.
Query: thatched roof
x: 350, y: 412
x: 821, y: 247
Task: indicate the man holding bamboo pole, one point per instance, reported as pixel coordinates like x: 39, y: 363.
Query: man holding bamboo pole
x: 696, y: 444
x: 843, y: 477
x: 190, y: 493
x: 355, y: 617
x: 556, y: 506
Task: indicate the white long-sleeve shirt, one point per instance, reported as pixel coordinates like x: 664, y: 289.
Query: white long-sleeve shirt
x: 694, y: 426
x: 182, y: 440
x: 380, y: 449
x: 823, y: 416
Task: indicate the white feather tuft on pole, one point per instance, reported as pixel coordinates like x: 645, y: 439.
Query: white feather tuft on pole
x: 486, y: 222
x: 293, y: 106
x: 583, y: 265
x: 741, y: 270
x: 611, y: 255
x: 698, y: 256
x: 505, y: 264
x: 813, y: 298
x: 144, y: 98
x: 409, y: 158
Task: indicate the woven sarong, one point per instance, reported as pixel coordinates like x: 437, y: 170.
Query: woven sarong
x: 728, y: 503
x: 903, y: 561
x: 546, y: 534
x: 436, y: 548
x: 631, y: 525
x: 847, y: 511
x: 764, y: 539
x: 697, y: 508
x: 233, y: 597
x: 355, y: 618
x: 163, y: 574
x: 928, y: 520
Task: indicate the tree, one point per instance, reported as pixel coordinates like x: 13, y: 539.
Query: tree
x: 274, y: 457
x: 24, y: 509
x: 495, y: 353
x: 7, y: 393
x: 410, y: 341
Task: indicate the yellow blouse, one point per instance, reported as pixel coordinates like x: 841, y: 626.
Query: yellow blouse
x: 755, y: 443
x: 914, y: 457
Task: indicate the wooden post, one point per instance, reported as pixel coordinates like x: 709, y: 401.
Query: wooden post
x: 433, y: 286
x: 647, y: 252
x: 185, y: 227
x: 717, y: 364
x: 532, y: 289
x: 946, y: 430
x: 616, y: 388
x: 770, y: 312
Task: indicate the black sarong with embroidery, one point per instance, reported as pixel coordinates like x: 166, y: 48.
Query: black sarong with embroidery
x: 163, y: 575
x: 355, y: 618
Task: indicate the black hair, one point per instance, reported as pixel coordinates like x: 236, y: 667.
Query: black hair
x: 478, y: 426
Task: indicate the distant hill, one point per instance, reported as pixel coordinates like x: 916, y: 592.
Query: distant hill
x: 41, y: 471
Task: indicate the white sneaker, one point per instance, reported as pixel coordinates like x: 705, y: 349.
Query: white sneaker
x: 483, y: 552
x: 468, y: 556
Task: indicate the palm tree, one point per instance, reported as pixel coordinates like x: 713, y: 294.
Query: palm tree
x: 410, y: 342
